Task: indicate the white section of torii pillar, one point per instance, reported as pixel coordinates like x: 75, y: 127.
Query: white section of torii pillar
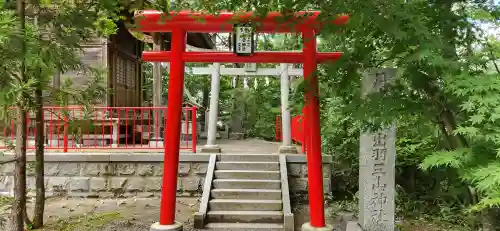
x: 213, y: 115
x: 286, y: 129
x: 284, y: 71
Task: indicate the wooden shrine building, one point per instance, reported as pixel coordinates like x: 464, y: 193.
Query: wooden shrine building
x: 120, y: 55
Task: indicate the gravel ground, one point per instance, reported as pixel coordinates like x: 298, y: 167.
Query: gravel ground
x: 131, y: 214
x: 78, y: 214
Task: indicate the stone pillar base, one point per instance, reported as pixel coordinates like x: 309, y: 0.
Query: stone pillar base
x: 288, y: 150
x: 156, y: 141
x: 177, y: 226
x: 210, y: 149
x: 199, y: 220
x: 352, y: 226
x: 308, y: 227
x: 350, y: 223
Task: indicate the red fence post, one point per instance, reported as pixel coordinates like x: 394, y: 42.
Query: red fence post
x: 193, y: 129
x: 277, y: 128
x: 65, y: 133
x: 186, y: 113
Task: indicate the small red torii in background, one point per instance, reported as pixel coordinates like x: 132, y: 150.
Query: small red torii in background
x: 179, y: 23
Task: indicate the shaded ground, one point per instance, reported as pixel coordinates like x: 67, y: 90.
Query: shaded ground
x: 138, y: 215
x: 109, y: 214
x: 118, y: 214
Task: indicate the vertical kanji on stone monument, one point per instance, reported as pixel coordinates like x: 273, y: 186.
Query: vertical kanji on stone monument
x: 376, y: 166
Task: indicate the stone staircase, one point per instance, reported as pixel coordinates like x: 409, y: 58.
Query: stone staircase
x: 247, y: 193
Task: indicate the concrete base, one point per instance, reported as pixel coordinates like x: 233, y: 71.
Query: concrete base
x: 177, y: 226
x: 287, y: 150
x: 348, y: 222
x: 211, y: 149
x: 308, y: 227
x: 199, y: 220
x: 289, y: 223
x: 353, y: 226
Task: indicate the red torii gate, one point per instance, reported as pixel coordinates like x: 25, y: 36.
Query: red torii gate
x: 306, y: 23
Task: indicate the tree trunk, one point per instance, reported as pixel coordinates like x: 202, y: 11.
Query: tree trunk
x: 489, y: 219
x: 237, y: 113
x: 39, y: 165
x: 19, y: 204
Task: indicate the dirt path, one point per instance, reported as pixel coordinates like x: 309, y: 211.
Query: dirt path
x: 79, y: 214
x: 109, y: 214
x: 62, y: 214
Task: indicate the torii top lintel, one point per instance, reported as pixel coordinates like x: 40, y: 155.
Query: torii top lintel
x: 273, y: 22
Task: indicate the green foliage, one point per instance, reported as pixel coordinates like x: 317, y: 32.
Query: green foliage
x: 93, y: 221
x: 54, y: 35
x: 453, y: 159
x: 445, y: 99
x: 262, y: 106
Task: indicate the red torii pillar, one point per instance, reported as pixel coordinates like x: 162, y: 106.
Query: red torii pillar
x: 179, y: 23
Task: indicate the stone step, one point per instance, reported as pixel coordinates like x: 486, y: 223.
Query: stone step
x: 245, y: 205
x: 247, y: 174
x: 239, y: 165
x: 249, y: 157
x: 245, y: 226
x: 246, y: 184
x: 245, y: 216
x: 256, y: 194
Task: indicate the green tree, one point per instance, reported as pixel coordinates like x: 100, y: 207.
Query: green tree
x: 50, y: 36
x: 444, y: 100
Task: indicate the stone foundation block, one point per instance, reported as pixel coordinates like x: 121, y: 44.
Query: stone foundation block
x: 299, y: 185
x: 79, y: 184
x: 199, y: 220
x: 153, y: 184
x: 135, y: 184
x: 287, y: 150
x: 211, y: 149
x: 98, y: 184
x: 108, y: 175
x: 58, y: 184
x: 184, y: 169
x: 308, y: 227
x: 199, y: 168
x: 177, y: 226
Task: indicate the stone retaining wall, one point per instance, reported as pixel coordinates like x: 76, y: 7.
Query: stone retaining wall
x: 297, y: 173
x: 131, y: 174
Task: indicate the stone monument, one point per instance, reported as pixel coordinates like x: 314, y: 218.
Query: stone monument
x: 377, y: 157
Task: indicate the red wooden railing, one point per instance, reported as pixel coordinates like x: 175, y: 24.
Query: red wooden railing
x: 297, y: 130
x: 76, y: 127
x: 277, y: 129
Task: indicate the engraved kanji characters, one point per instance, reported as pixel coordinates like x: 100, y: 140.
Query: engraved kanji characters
x: 379, y: 216
x: 379, y: 197
x: 380, y: 81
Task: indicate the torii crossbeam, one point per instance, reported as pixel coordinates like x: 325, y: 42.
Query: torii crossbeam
x: 179, y: 23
